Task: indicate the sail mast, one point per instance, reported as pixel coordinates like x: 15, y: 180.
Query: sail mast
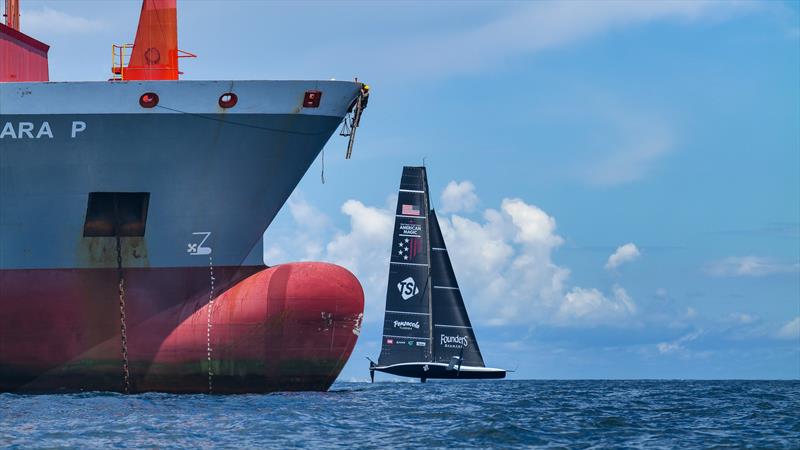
x: 429, y: 283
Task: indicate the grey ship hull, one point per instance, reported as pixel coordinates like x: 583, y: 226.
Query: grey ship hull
x: 216, y: 178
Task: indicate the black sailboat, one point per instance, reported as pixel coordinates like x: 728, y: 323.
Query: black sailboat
x: 426, y: 331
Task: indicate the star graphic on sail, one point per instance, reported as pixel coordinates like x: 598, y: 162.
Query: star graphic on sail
x: 409, y: 248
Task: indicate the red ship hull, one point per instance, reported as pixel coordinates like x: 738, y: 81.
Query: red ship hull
x: 289, y: 327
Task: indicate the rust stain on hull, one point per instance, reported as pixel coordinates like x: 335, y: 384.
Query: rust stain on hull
x: 101, y: 252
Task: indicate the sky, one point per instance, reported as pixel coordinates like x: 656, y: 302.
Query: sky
x: 618, y: 182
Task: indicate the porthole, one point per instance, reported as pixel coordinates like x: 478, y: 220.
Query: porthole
x: 228, y: 100
x: 148, y: 100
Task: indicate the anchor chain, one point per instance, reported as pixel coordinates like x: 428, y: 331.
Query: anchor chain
x: 126, y: 375
x: 209, y: 311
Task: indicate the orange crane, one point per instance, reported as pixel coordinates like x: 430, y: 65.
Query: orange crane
x: 154, y: 54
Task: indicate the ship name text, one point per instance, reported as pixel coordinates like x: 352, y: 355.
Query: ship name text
x: 31, y: 130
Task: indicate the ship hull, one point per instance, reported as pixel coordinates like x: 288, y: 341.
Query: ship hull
x: 214, y: 179
x: 289, y: 327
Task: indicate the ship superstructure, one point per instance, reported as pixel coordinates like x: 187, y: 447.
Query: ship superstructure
x: 131, y: 218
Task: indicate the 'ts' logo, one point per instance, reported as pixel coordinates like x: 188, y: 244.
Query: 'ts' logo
x: 408, y: 288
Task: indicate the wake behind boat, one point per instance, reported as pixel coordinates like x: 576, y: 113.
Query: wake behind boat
x: 426, y: 330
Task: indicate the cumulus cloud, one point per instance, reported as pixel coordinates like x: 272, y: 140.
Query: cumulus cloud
x: 504, y: 263
x: 623, y: 254
x: 459, y: 197
x: 307, y: 214
x: 310, y: 225
x: 507, y: 273
x: 364, y: 250
x: 369, y: 227
x: 590, y: 304
x: 749, y: 266
x: 53, y: 21
x: 533, y: 226
x: 791, y: 330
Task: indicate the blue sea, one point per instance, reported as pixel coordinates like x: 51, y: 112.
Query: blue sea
x: 443, y: 414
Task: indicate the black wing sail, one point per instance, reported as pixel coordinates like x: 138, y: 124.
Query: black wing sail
x: 452, y: 330
x: 407, y: 325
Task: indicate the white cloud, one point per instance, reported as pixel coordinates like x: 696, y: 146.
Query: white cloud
x: 535, y: 27
x: 643, y: 146
x: 273, y: 254
x: 591, y: 305
x: 533, y: 226
x: 678, y: 345
x: 517, y: 281
x: 623, y: 254
x: 503, y: 262
x: 364, y: 250
x: 306, y: 214
x: 459, y: 197
x: 626, y: 146
x: 368, y: 226
x: 507, y: 273
x: 749, y: 266
x: 791, y: 330
x: 49, y: 20
x: 310, y: 227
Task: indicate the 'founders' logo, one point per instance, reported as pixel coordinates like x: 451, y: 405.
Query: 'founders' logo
x: 454, y: 341
x: 408, y: 288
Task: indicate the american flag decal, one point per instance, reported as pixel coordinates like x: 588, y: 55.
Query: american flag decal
x: 409, y: 210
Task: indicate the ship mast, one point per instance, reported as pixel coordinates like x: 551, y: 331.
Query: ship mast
x: 12, y: 14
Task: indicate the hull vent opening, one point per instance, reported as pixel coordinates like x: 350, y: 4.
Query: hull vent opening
x: 110, y: 214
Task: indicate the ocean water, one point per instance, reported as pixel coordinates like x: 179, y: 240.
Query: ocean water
x: 467, y: 414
